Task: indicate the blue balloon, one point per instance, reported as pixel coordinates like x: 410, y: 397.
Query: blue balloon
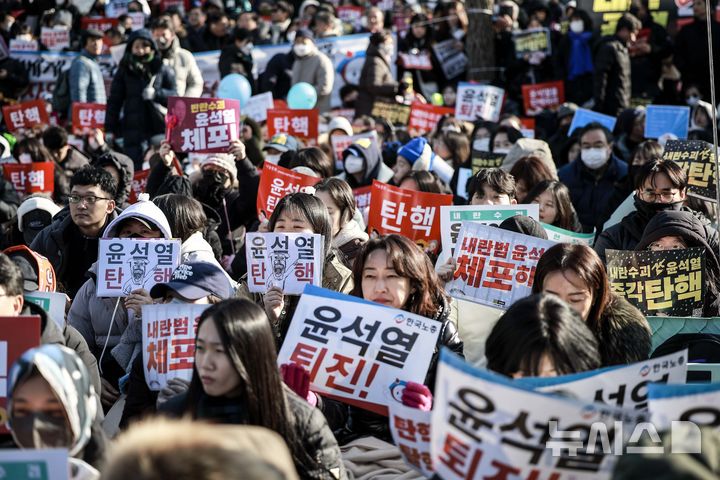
x: 235, y: 87
x: 302, y: 96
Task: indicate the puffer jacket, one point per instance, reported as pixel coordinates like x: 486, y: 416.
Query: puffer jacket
x: 317, y: 70
x: 376, y: 82
x: 188, y: 78
x: 125, y: 167
x: 86, y: 80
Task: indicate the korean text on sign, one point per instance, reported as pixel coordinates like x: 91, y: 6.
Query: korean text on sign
x: 289, y: 261
x: 204, y: 125
x: 696, y: 158
x: 478, y: 101
x: 275, y: 183
x: 537, y: 97
x: 410, y: 429
x: 168, y: 342
x: 86, y: 116
x: 665, y: 283
x: 127, y: 264
x: 536, y: 40
x: 360, y: 352
x: 494, y: 267
x: 484, y: 426
x: 410, y: 213
x: 302, y: 124
x: 425, y: 117
x: 29, y: 178
x: 698, y: 403
x: 25, y: 115
x: 395, y: 113
x: 139, y: 183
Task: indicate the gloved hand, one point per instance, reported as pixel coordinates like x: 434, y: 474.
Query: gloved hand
x: 417, y: 395
x: 298, y: 379
x: 174, y: 386
x: 148, y: 93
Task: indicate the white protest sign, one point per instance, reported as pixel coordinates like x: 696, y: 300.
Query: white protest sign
x: 483, y: 426
x: 127, y: 264
x: 495, y: 267
x: 40, y: 464
x: 115, y: 8
x: 357, y: 351
x: 464, y: 174
x: 623, y: 386
x: 560, y: 235
x: 258, y: 105
x: 286, y: 260
x: 138, y: 20
x: 478, y: 101
x: 168, y: 342
x: 410, y: 429
x: 698, y: 403
x: 55, y: 38
x: 453, y: 60
x: 19, y: 45
x: 52, y: 302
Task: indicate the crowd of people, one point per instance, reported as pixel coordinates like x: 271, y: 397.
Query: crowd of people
x: 612, y: 183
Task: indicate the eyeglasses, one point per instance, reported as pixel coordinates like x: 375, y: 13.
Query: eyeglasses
x: 87, y: 199
x: 650, y: 196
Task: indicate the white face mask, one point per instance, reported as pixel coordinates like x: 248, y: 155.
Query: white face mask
x: 386, y: 49
x: 503, y: 151
x: 594, y: 158
x: 692, y: 100
x: 354, y: 164
x: 247, y: 48
x: 290, y: 36
x: 577, y: 26
x: 274, y: 159
x: 481, y: 144
x: 302, y: 49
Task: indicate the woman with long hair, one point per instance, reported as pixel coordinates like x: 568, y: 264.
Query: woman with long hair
x: 555, y: 205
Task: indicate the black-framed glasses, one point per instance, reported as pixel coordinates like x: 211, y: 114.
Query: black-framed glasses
x: 87, y: 199
x: 650, y: 196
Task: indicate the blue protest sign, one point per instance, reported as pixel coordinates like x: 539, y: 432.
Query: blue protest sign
x: 582, y: 117
x: 662, y: 119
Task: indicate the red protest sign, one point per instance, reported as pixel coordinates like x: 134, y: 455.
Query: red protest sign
x: 25, y: 115
x: 410, y: 213
x: 275, y: 183
x: 202, y: 125
x: 30, y: 178
x: 17, y: 334
x: 301, y: 124
x: 139, y: 183
x: 362, y: 197
x: 540, y: 96
x: 425, y: 117
x: 87, y: 116
x: 98, y: 23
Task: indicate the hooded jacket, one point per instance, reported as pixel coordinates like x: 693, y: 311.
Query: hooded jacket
x: 376, y: 82
x: 375, y: 168
x: 125, y: 168
x: 188, y: 78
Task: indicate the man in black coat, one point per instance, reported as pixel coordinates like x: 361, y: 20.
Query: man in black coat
x: 691, y: 49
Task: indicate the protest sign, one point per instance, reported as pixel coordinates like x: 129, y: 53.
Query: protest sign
x: 115, y: 8
x: 138, y: 20
x: 560, y: 235
x: 395, y: 113
x: 662, y: 119
x: 87, y: 116
x: 410, y: 428
x: 452, y: 58
x: 696, y: 157
x: 351, y: 14
x: 19, y: 45
x: 534, y: 40
x: 424, y: 117
x: 168, y: 341
x: 55, y: 38
x: 341, y: 142
x: 604, y: 15
x: 464, y: 175
x: 275, y: 183
x: 478, y: 101
x: 98, y: 23
x: 25, y: 115
x: 527, y: 127
x: 480, y: 160
x: 415, y: 60
x: 17, y: 334
x: 540, y: 96
x: 34, y: 464
x: 698, y: 403
x: 486, y: 426
x: 622, y: 386
x: 665, y: 283
x: 139, y: 183
x: 28, y: 178
x: 357, y: 351
x: 362, y: 201
x: 301, y: 124
x: 410, y: 213
x: 52, y: 302
x: 127, y: 264
x: 285, y: 260
x: 494, y: 267
x: 202, y: 124
x: 257, y: 106
x: 582, y: 117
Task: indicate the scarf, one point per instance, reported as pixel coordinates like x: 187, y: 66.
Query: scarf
x: 580, y: 55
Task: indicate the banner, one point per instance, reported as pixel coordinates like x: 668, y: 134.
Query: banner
x: 285, y: 260
x: 53, y: 303
x: 541, y: 96
x: 622, y: 386
x: 478, y: 101
x: 202, y: 125
x: 139, y: 183
x: 18, y: 45
x: 663, y: 119
x: 17, y: 334
x: 275, y: 183
x: 415, y: 61
x: 168, y: 342
x: 301, y: 124
x: 486, y: 426
x: 127, y: 264
x: 480, y: 160
x: 582, y: 117
x: 55, y: 38
x: 395, y: 113
x: 257, y: 106
x: 424, y: 117
x: 604, y: 15
x: 696, y: 157
x: 534, y: 40
x: 560, y: 235
x: 662, y: 283
x: 34, y: 464
x: 357, y: 351
x: 351, y: 14
x: 25, y: 115
x: 28, y: 178
x: 410, y: 213
x: 87, y: 116
x: 410, y: 428
x: 494, y: 267
x: 698, y: 403
x: 452, y: 59
x: 341, y: 142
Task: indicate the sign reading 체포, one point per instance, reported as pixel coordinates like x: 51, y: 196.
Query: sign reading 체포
x: 202, y: 125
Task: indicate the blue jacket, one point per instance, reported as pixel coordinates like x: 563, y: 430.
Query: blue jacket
x: 590, y: 195
x: 86, y: 80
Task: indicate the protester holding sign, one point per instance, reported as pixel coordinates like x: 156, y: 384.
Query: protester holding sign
x: 236, y: 381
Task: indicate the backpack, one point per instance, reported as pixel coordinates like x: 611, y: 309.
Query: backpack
x: 61, y: 94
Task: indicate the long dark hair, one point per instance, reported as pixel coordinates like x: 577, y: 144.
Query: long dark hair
x: 531, y: 170
x: 566, y: 217
x: 185, y: 214
x: 312, y: 209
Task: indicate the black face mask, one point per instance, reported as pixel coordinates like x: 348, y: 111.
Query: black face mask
x: 211, y: 188
x: 650, y: 209
x: 40, y: 430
